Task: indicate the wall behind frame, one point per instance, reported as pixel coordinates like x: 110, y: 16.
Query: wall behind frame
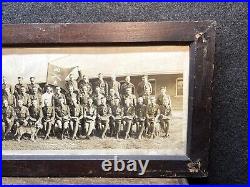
x: 229, y: 152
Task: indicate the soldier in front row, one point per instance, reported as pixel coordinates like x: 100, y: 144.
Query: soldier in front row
x: 141, y: 115
x: 116, y: 118
x: 165, y: 115
x: 152, y: 116
x: 48, y: 119
x: 62, y: 117
x: 103, y: 114
x: 7, y: 118
x: 89, y: 117
x: 76, y: 115
x: 35, y: 119
x: 128, y: 116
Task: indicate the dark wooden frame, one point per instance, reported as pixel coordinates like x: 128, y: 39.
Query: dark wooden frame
x: 200, y: 36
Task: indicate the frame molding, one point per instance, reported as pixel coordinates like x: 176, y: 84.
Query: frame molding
x: 200, y: 36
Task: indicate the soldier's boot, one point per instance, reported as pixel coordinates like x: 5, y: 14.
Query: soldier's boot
x: 167, y: 129
x: 104, y: 131
x: 128, y: 129
x: 140, y: 132
x: 48, y: 132
x: 32, y: 138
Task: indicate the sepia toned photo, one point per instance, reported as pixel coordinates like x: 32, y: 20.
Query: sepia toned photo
x: 87, y: 101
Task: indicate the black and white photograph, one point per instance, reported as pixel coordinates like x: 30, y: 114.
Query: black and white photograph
x: 95, y: 100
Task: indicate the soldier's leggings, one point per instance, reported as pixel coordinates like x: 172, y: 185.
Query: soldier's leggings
x: 118, y: 124
x: 74, y: 126
x: 104, y: 123
x: 90, y: 125
x: 165, y: 125
x: 128, y: 124
x: 141, y: 126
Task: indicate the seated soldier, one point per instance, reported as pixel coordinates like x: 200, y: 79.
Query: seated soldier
x: 21, y: 117
x: 103, y: 114
x: 76, y: 115
x: 116, y: 118
x: 146, y: 97
x: 84, y: 95
x: 7, y: 118
x: 165, y: 115
x: 89, y: 117
x: 35, y: 95
x: 128, y: 116
x: 35, y: 119
x: 57, y: 96
x: 111, y: 97
x: 48, y: 118
x: 152, y: 116
x: 141, y: 115
x: 163, y: 95
x: 62, y: 114
x: 71, y: 96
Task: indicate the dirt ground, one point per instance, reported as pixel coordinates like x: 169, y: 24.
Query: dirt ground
x: 174, y: 142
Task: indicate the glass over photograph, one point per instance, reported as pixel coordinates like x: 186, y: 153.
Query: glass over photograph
x: 85, y: 101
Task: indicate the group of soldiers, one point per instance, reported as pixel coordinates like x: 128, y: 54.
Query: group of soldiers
x: 84, y: 109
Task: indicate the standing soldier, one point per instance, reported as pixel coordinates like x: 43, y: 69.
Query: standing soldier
x: 165, y: 115
x: 35, y: 119
x: 48, y: 96
x: 163, y: 95
x: 18, y: 86
x: 23, y: 96
x: 144, y: 86
x: 76, y: 115
x: 127, y: 84
x: 141, y: 114
x: 48, y: 114
x: 84, y: 95
x: 128, y: 116
x: 128, y: 95
x: 97, y: 96
x: 35, y: 95
x: 8, y: 96
x: 32, y: 85
x: 71, y: 83
x: 115, y: 85
x: 103, y: 114
x: 62, y: 116
x: 85, y: 82
x: 57, y: 96
x: 111, y: 97
x: 7, y: 118
x: 71, y: 96
x: 6, y: 86
x: 116, y: 118
x: 89, y: 117
x: 102, y: 84
x: 21, y: 116
x: 152, y: 116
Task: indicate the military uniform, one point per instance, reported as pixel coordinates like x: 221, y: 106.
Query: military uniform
x: 143, y: 88
x: 57, y: 97
x: 89, y: 117
x: 71, y: 83
x: 8, y: 87
x: 103, y: 114
x: 10, y: 98
x: 82, y: 83
x: 131, y: 97
x: 115, y: 85
x: 31, y: 86
x: 83, y: 98
x: 17, y: 89
x: 76, y: 114
x: 128, y: 116
x: 21, y: 116
x: 24, y: 97
x: 103, y: 85
x: 116, y: 120
x: 36, y: 96
x: 152, y: 113
x: 165, y: 116
x: 111, y: 99
x: 141, y: 115
x: 97, y: 99
x: 62, y: 113
x: 48, y: 113
x: 161, y: 98
x: 35, y: 116
x: 70, y: 97
x: 7, y: 120
x: 127, y: 85
x: 146, y: 98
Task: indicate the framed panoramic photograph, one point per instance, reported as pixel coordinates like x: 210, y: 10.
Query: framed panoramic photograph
x: 107, y: 99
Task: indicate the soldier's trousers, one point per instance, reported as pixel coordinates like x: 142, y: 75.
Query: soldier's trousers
x: 128, y: 124
x: 165, y: 125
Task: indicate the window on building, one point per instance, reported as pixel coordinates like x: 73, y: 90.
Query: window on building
x: 179, y: 86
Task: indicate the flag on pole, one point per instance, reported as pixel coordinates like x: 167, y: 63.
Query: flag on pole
x: 57, y: 75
